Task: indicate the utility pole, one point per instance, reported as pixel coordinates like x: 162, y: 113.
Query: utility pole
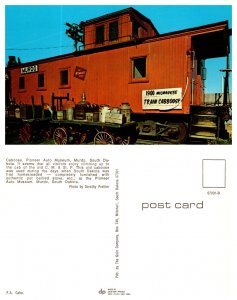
x: 226, y: 80
x: 76, y: 32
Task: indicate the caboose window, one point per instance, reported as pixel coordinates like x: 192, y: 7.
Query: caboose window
x: 139, y: 67
x: 41, y: 80
x: 99, y: 34
x: 21, y: 83
x: 113, y: 31
x: 135, y: 29
x: 64, y: 77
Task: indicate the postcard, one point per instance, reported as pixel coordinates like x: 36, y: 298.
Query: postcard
x: 116, y: 151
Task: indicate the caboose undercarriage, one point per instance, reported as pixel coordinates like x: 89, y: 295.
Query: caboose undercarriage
x: 204, y: 124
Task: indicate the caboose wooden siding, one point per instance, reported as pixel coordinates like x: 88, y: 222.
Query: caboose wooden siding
x: 106, y: 73
x: 108, y: 77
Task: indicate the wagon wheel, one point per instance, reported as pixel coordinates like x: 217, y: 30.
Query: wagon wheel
x: 25, y: 133
x: 178, y: 135
x: 103, y: 138
x: 82, y: 138
x: 123, y: 140
x: 60, y: 136
x: 47, y: 133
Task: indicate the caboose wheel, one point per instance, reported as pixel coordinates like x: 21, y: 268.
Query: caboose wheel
x: 60, y: 136
x: 103, y: 138
x: 177, y: 134
x: 25, y: 133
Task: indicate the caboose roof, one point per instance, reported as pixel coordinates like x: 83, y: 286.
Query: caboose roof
x: 131, y: 11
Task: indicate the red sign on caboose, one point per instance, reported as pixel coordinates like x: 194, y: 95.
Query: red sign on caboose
x: 80, y: 73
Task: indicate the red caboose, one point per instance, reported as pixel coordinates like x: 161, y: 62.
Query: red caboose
x: 125, y: 59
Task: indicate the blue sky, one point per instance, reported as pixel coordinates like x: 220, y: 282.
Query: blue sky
x: 34, y: 32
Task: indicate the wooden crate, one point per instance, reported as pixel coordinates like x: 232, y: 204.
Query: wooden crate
x: 114, y: 118
x: 11, y: 112
x: 95, y: 116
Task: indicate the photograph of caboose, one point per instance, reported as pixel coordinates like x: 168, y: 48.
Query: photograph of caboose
x: 124, y: 83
